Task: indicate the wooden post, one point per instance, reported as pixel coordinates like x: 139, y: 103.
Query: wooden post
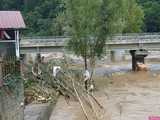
x: 1, y: 69
x: 137, y: 58
x: 132, y: 52
x: 112, y: 55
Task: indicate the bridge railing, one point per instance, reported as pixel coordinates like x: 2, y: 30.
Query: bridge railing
x: 44, y: 37
x: 135, y: 39
x: 117, y: 39
x: 41, y: 40
x: 138, y: 34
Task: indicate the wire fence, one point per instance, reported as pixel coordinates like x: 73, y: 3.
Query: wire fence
x: 12, y: 91
x: 9, y: 65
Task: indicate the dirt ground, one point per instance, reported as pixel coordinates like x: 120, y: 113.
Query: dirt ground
x: 126, y: 96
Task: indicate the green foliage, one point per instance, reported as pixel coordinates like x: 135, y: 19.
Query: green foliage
x: 11, y: 84
x: 11, y: 4
x: 39, y: 14
x: 92, y: 22
x: 59, y: 25
x: 134, y: 17
x: 83, y: 19
x: 152, y: 15
x: 43, y: 17
x: 29, y: 83
x: 40, y: 17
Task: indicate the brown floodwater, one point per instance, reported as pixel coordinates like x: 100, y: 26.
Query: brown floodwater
x: 126, y: 96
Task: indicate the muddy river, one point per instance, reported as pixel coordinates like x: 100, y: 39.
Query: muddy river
x: 123, y: 94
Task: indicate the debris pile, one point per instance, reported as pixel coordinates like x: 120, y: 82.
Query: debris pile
x: 56, y: 78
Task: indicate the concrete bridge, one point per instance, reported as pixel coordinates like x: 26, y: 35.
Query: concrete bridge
x: 137, y: 44
x: 124, y: 42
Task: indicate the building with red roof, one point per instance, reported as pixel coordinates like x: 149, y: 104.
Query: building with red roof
x: 11, y: 22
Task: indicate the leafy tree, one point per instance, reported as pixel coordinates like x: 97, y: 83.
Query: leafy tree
x: 59, y: 25
x: 152, y: 20
x: 40, y: 16
x: 134, y: 17
x: 152, y: 16
x: 91, y: 23
x: 11, y: 4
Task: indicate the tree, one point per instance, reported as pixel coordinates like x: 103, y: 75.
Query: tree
x: 91, y: 23
x: 59, y: 25
x: 40, y: 15
x: 152, y: 16
x: 11, y: 4
x: 134, y: 17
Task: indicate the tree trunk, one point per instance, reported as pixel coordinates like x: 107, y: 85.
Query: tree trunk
x: 92, y: 65
x: 86, y: 68
x: 85, y: 63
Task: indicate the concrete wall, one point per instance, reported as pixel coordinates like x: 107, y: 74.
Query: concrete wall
x: 10, y: 104
x: 38, y: 111
x: 117, y: 55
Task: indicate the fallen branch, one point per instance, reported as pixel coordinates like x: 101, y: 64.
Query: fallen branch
x: 80, y: 101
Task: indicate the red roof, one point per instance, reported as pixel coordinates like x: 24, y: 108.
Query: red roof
x: 11, y: 20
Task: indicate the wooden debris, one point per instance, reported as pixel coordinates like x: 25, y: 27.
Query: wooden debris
x: 68, y: 83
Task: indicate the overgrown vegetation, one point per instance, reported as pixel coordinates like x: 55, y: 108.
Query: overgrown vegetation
x: 10, y: 84
x: 46, y: 87
x: 68, y: 82
x: 10, y: 76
